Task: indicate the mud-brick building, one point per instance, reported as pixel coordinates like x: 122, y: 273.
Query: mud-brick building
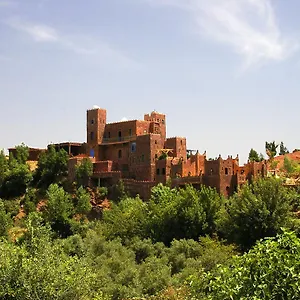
x: 139, y: 153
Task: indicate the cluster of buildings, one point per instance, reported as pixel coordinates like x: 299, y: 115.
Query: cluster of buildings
x: 139, y: 153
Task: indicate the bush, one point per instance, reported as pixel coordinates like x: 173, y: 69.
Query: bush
x: 269, y: 271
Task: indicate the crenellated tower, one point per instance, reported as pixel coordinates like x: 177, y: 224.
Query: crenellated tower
x: 158, y: 123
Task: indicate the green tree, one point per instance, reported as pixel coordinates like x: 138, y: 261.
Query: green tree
x: 83, y: 172
x: 83, y: 204
x: 271, y: 149
x: 59, y: 209
x: 3, y: 167
x: 183, y: 213
x: 52, y: 167
x: 16, y: 181
x: 269, y: 271
x: 253, y: 155
x: 22, y: 153
x: 127, y: 219
x: 282, y: 149
x: 259, y: 210
x: 5, y: 220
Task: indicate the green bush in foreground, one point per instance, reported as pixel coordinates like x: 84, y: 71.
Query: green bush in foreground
x: 271, y: 270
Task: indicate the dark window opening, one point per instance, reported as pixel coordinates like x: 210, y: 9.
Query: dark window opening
x: 157, y: 171
x: 226, y: 171
x: 156, y: 156
x: 120, y: 154
x: 133, y: 147
x: 92, y: 121
x: 120, y: 135
x: 109, y: 134
x: 155, y: 142
x: 163, y: 121
x: 130, y: 132
x: 163, y: 171
x: 142, y: 157
x: 92, y: 136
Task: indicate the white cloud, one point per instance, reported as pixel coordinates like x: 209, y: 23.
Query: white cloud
x: 248, y: 26
x: 82, y: 45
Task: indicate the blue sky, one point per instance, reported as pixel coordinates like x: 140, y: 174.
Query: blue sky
x: 225, y: 72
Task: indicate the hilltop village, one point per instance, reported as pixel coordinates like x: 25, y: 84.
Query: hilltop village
x: 139, y: 153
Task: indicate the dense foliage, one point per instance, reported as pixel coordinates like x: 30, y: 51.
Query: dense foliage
x: 58, y: 242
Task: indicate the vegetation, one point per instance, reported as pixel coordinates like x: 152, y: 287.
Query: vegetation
x: 181, y: 244
x: 271, y: 149
x: 83, y: 172
x: 253, y: 156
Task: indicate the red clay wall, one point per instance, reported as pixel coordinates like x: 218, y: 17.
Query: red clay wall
x: 178, y: 144
x: 96, y: 121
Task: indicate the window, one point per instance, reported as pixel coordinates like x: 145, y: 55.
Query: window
x: 92, y: 121
x: 133, y: 147
x: 155, y: 142
x: 156, y: 156
x: 120, y: 135
x: 157, y: 171
x: 130, y: 132
x: 143, y: 157
x: 120, y: 153
x: 226, y: 171
x: 92, y: 135
x: 109, y: 134
x: 163, y: 171
x: 163, y: 121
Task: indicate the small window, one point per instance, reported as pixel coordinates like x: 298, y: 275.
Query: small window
x: 109, y: 134
x: 130, y: 132
x: 92, y: 121
x: 92, y: 135
x: 143, y: 157
x: 163, y: 171
x: 163, y: 121
x: 155, y: 142
x: 120, y: 153
x: 133, y: 147
x: 120, y: 135
x: 156, y: 156
x: 157, y: 171
x: 226, y: 171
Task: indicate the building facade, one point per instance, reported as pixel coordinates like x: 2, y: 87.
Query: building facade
x: 139, y: 153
